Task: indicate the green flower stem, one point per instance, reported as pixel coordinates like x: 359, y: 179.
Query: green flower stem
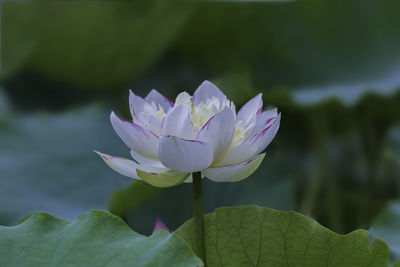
x: 198, y: 217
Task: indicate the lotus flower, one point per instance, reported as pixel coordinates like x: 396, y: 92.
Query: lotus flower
x: 200, y: 133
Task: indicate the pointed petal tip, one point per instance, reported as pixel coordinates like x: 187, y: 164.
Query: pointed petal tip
x: 159, y: 99
x: 251, y: 108
x: 207, y: 82
x: 159, y: 225
x: 114, y: 117
x: 205, y: 91
x: 102, y: 155
x: 131, y: 94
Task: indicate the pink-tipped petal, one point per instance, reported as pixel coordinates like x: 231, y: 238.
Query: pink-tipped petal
x: 234, y: 173
x: 159, y: 225
x: 264, y: 119
x: 136, y: 105
x: 250, y: 109
x: 128, y: 167
x: 184, y: 155
x: 150, y: 122
x: 218, y: 131
x: 178, y: 123
x: 123, y: 166
x: 136, y: 137
x: 205, y: 91
x: 159, y: 99
x: 252, y: 146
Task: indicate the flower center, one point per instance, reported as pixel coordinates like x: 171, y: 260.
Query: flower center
x: 203, y: 112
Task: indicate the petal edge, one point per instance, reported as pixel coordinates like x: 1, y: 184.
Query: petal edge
x: 234, y: 173
x: 162, y: 179
x: 184, y: 155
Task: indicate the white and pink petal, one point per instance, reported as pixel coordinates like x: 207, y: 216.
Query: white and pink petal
x: 218, y: 131
x: 127, y: 167
x: 184, y: 155
x: 250, y: 109
x: 150, y: 122
x: 207, y: 90
x: 159, y: 99
x: 264, y: 119
x: 178, y: 123
x: 250, y: 147
x: 183, y: 98
x: 234, y: 173
x: 136, y: 137
x: 136, y: 105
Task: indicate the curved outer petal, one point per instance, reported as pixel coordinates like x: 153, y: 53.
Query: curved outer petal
x: 234, y: 173
x: 159, y: 99
x: 136, y: 137
x: 250, y: 109
x: 136, y: 105
x: 218, y: 131
x: 205, y: 91
x: 251, y: 146
x: 127, y: 167
x: 146, y: 161
x: 178, y: 123
x: 264, y: 119
x: 167, y: 179
x: 184, y: 155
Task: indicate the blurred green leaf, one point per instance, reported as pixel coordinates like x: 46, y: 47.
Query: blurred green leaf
x: 96, y: 238
x: 47, y: 164
x: 387, y: 227
x: 237, y: 85
x: 18, y: 39
x: 122, y: 201
x: 256, y: 236
x: 349, y: 93
x: 4, y: 106
x: 89, y: 44
x: 294, y: 44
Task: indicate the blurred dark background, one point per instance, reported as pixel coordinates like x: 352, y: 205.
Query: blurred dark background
x: 331, y: 67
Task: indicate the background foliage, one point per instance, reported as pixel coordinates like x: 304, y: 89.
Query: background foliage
x: 332, y: 68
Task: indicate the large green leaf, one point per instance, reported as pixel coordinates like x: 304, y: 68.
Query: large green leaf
x: 387, y: 227
x: 96, y: 238
x: 256, y: 236
x: 47, y: 163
